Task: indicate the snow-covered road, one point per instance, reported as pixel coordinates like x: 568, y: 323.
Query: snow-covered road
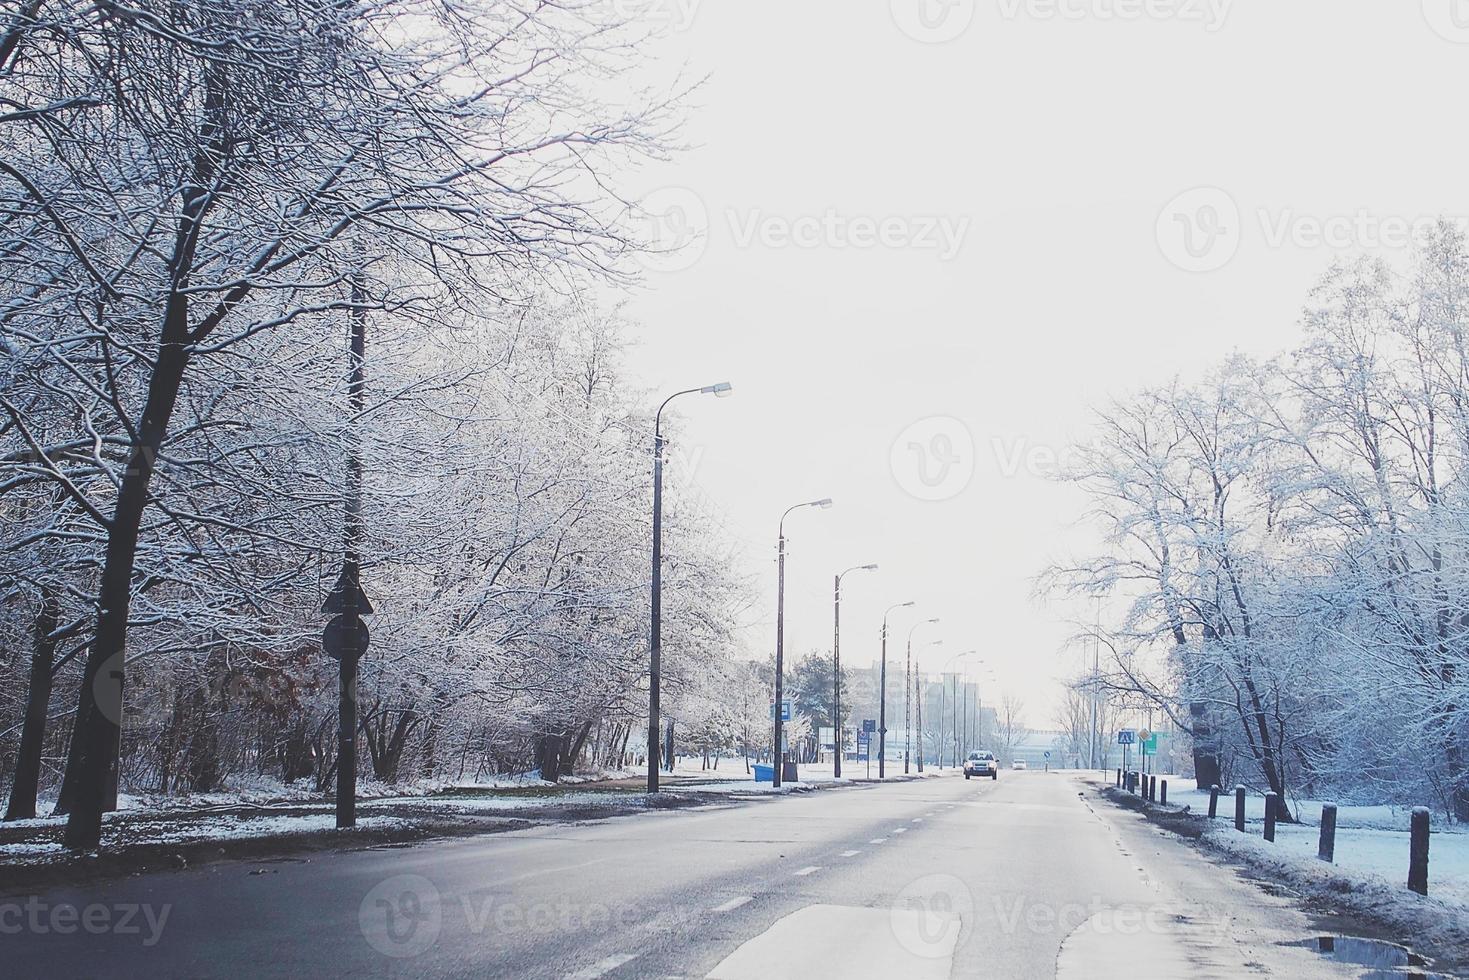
x: 1030, y: 876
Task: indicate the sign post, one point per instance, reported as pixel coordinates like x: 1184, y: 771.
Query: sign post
x: 1126, y: 737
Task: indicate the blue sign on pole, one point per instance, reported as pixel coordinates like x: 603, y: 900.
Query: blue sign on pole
x: 862, y: 746
x: 785, y: 710
x: 1127, y: 736
x: 869, y: 725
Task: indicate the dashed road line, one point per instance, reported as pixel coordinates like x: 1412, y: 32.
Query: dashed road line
x: 603, y: 966
x: 878, y: 840
x: 847, y: 854
x: 808, y: 870
x: 900, y: 830
x: 733, y: 904
x: 916, y: 820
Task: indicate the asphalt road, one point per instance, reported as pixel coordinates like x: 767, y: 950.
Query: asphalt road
x: 1022, y: 877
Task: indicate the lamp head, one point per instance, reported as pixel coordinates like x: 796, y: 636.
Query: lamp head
x: 722, y: 390
x: 869, y: 568
x: 824, y: 503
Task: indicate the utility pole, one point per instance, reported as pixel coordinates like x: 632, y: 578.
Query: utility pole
x: 882, y: 697
x: 918, y: 696
x: 836, y: 668
x: 780, y: 634
x: 655, y: 630
x: 346, y: 637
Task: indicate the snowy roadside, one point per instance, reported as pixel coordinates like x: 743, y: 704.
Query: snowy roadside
x: 271, y: 821
x: 1361, y: 886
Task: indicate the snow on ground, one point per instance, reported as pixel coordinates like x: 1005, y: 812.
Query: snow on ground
x: 193, y: 830
x: 1371, y: 841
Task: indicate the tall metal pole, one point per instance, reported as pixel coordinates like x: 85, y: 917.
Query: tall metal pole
x: 882, y: 706
x: 882, y: 698
x: 655, y: 626
x: 918, y: 697
x: 908, y: 704
x: 780, y: 633
x: 836, y: 666
x: 780, y: 623
x: 347, y: 662
x: 655, y: 658
x: 955, y: 720
x: 836, y: 677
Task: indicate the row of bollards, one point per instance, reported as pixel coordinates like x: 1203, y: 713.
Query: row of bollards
x: 1151, y: 788
x: 1326, y: 846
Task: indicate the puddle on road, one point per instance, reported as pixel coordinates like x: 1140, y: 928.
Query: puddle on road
x: 1383, y: 960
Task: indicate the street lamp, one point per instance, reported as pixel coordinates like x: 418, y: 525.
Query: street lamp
x: 720, y: 390
x: 918, y: 696
x: 780, y: 629
x: 882, y: 697
x: 954, y: 722
x: 908, y: 696
x: 836, y: 665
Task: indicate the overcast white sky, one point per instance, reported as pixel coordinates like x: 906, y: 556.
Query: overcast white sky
x: 1056, y: 137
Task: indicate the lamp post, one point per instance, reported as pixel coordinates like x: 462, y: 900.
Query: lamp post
x: 836, y: 666
x: 656, y: 625
x: 882, y: 697
x: 908, y: 696
x: 954, y: 721
x: 780, y: 631
x: 918, y: 696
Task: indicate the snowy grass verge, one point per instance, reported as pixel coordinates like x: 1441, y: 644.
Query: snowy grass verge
x: 1439, y: 923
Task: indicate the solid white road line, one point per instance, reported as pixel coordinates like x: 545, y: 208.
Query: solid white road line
x: 733, y: 904
x: 812, y: 869
x: 603, y: 966
x: 847, y: 854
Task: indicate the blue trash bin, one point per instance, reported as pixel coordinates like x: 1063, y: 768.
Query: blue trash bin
x: 764, y: 774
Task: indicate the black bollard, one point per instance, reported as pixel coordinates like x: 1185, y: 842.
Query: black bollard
x: 1418, y: 852
x: 1163, y: 793
x: 1326, y: 849
x: 1213, y: 801
x: 1239, y: 809
x: 1153, y: 788
x: 1270, y: 799
x: 1119, y: 777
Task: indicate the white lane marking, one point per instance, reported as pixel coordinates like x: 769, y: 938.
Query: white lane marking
x: 603, y: 966
x: 916, y: 820
x: 900, y: 830
x: 809, y: 870
x: 847, y: 854
x: 733, y: 904
x: 878, y: 840
x: 907, y: 943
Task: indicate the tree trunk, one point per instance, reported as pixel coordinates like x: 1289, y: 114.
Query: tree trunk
x: 23, y: 790
x: 568, y: 763
x: 99, y: 707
